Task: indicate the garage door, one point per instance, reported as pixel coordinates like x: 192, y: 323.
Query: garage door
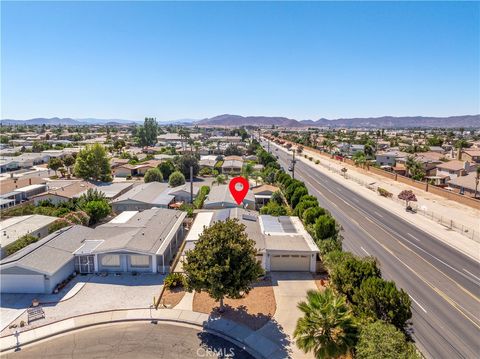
x: 290, y: 263
x: 22, y: 283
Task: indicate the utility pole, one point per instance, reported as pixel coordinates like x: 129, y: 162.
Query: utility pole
x: 293, y: 164
x: 191, y: 184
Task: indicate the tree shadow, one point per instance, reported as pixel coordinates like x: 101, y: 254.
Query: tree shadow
x: 256, y: 326
x: 214, y: 346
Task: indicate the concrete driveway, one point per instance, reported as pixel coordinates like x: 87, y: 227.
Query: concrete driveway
x: 289, y: 289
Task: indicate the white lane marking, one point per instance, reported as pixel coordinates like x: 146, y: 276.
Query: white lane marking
x: 422, y: 308
x: 411, y: 235
x: 363, y: 249
x: 378, y: 214
x: 473, y: 275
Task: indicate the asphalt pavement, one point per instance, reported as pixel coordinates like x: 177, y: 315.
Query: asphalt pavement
x: 443, y: 283
x: 133, y: 340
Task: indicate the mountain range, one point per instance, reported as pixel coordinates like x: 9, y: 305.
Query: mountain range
x: 226, y: 120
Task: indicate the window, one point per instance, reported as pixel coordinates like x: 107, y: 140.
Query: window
x: 111, y: 260
x: 140, y: 261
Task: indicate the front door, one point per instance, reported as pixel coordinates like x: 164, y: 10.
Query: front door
x: 84, y: 264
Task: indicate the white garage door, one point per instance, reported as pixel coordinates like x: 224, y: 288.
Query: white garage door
x: 290, y: 263
x: 22, y: 283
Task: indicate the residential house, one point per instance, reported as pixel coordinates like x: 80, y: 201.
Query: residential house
x: 14, y: 228
x: 455, y: 168
x: 63, y: 191
x: 263, y: 193
x: 282, y: 243
x: 232, y: 165
x: 220, y: 197
x: 466, y: 185
x: 41, y: 266
x: 471, y: 155
x: 138, y: 169
x: 133, y: 242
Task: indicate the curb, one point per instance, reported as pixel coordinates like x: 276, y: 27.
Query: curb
x: 204, y: 326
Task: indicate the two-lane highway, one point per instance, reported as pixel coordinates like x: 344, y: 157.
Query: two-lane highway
x: 443, y: 283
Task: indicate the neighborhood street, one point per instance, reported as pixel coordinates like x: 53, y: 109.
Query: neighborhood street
x: 441, y: 281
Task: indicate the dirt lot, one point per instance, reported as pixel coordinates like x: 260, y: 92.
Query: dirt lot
x: 254, y: 310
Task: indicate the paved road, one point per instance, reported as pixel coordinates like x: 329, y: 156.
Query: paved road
x: 443, y: 283
x: 133, y: 340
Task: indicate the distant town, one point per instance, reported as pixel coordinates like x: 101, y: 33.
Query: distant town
x: 367, y: 229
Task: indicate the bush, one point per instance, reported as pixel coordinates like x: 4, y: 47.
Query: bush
x: 384, y: 193
x: 329, y: 245
x: 97, y: 210
x: 187, y: 207
x: 176, y: 179
x: 310, y: 158
x: 317, y: 162
x: 22, y: 242
x: 380, y: 299
x: 277, y: 197
x: 297, y: 195
x: 325, y: 227
x: 59, y: 224
x: 153, y: 175
x: 205, y: 171
x: 274, y: 209
x: 128, y: 177
x: 174, y: 280
x: 202, y: 194
x: 311, y: 214
x: 382, y: 340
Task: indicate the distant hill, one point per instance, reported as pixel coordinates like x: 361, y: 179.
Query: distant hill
x: 467, y: 121
x: 235, y: 120
x: 55, y: 121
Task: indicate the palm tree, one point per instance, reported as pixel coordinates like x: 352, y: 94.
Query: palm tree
x: 327, y: 327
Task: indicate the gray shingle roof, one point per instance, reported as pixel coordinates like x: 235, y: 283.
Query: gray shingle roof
x: 51, y: 253
x: 144, y: 232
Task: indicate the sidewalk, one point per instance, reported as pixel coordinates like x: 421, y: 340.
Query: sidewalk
x: 252, y: 341
x: 467, y: 215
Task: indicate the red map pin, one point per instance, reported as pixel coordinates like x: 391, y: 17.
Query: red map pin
x: 237, y: 193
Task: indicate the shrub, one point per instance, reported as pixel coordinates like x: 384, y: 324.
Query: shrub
x: 329, y: 245
x: 202, y: 194
x: 274, y: 209
x: 174, y: 280
x: 59, y: 224
x: 277, y: 197
x: 153, y: 175
x: 311, y: 214
x: 317, y: 162
x: 310, y: 158
x: 205, y: 171
x: 297, y: 195
x: 187, y: 207
x: 382, y: 340
x: 325, y: 227
x: 128, y: 177
x: 176, y: 179
x: 97, y: 210
x: 22, y: 242
x: 384, y: 193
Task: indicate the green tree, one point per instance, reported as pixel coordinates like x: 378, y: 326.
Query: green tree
x: 325, y: 227
x: 184, y: 162
x: 380, y: 340
x: 92, y: 163
x: 147, y: 134
x: 153, y: 175
x: 97, y: 210
x: 277, y: 197
x: 327, y: 327
x: 380, y: 299
x: 326, y: 246
x: 311, y: 214
x: 220, y: 179
x: 176, y: 179
x: 223, y: 262
x: 348, y: 274
x: 55, y: 164
x: 297, y: 195
x: 167, y: 168
x: 69, y: 161
x: 233, y: 150
x: 274, y: 209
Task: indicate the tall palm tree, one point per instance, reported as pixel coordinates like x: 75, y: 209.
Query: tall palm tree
x: 327, y: 327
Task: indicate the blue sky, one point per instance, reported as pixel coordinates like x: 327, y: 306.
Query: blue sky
x: 194, y: 60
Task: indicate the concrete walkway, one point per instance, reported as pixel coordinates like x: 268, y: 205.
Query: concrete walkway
x: 186, y: 303
x: 252, y: 341
x: 289, y: 289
